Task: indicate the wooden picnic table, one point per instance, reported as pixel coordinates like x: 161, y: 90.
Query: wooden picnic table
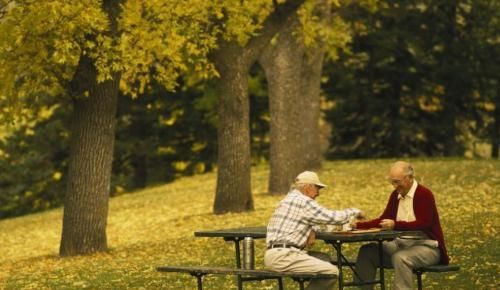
x: 336, y: 239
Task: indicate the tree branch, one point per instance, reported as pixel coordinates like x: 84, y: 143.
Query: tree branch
x: 271, y: 26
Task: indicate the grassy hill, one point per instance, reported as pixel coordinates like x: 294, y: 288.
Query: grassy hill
x: 155, y: 227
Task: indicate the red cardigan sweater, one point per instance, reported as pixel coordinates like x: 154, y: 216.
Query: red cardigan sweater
x: 426, y: 218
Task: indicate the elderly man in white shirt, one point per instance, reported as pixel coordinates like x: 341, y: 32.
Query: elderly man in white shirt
x: 290, y: 230
x: 411, y: 206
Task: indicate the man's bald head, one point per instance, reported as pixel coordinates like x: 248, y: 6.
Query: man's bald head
x: 401, y: 169
x: 401, y: 176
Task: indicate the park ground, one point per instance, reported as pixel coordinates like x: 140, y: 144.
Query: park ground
x: 155, y: 227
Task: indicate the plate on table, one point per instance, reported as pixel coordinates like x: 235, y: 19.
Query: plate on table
x: 362, y: 231
x: 410, y: 237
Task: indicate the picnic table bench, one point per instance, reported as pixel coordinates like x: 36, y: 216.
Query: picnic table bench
x: 435, y: 269
x: 200, y: 271
x: 335, y: 239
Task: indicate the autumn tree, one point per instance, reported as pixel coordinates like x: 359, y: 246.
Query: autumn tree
x: 233, y: 60
x: 281, y: 61
x: 91, y: 153
x: 45, y: 60
x: 293, y: 62
x: 293, y: 70
x: 85, y: 52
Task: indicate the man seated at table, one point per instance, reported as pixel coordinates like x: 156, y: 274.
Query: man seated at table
x: 411, y: 206
x: 290, y: 230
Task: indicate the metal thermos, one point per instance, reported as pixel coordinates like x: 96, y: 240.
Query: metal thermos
x: 248, y: 253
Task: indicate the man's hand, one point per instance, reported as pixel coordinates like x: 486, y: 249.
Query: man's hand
x: 387, y: 224
x: 361, y: 216
x: 353, y: 224
x: 354, y: 220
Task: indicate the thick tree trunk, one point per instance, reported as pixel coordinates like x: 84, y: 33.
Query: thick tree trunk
x: 294, y: 73
x: 282, y: 63
x: 91, y: 156
x: 233, y: 179
x: 233, y: 62
x: 312, y: 71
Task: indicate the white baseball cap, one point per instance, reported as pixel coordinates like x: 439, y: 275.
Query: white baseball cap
x: 308, y: 177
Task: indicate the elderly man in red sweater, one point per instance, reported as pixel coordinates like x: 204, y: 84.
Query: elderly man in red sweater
x: 411, y: 206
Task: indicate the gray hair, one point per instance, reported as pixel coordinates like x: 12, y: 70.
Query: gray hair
x: 299, y: 187
x: 409, y: 171
x: 404, y: 167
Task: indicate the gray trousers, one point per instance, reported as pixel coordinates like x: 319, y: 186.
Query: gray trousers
x: 401, y: 256
x: 295, y: 260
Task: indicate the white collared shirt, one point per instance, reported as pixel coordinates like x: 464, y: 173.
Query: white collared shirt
x: 406, y: 214
x: 405, y: 207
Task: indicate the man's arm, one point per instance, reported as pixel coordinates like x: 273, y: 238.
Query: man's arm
x: 390, y: 212
x: 316, y: 214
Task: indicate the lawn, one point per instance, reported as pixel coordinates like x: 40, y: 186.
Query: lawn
x: 155, y: 227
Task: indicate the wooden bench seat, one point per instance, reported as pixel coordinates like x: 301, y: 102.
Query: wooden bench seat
x: 435, y: 269
x: 200, y: 271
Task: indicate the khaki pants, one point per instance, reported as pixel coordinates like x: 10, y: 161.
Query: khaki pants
x: 403, y: 257
x: 295, y: 260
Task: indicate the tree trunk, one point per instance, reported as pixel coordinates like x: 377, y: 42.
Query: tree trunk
x: 91, y: 156
x: 294, y: 73
x: 89, y: 176
x: 233, y: 62
x: 311, y: 76
x: 140, y: 165
x: 282, y: 63
x: 394, y: 104
x: 495, y: 136
x: 233, y: 179
x: 455, y: 89
x: 312, y: 70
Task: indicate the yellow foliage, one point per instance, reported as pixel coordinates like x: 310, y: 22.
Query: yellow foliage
x: 166, y: 150
x: 57, y: 175
x: 197, y: 147
x: 41, y: 42
x: 155, y: 227
x: 430, y: 103
x: 180, y: 165
x: 40, y: 45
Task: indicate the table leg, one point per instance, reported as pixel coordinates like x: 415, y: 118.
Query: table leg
x: 338, y: 248
x: 337, y: 245
x: 238, y: 262
x: 199, y: 278
x: 301, y: 284
x: 381, y: 264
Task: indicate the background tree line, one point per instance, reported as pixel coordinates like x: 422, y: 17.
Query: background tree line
x: 400, y: 78
x: 418, y: 81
